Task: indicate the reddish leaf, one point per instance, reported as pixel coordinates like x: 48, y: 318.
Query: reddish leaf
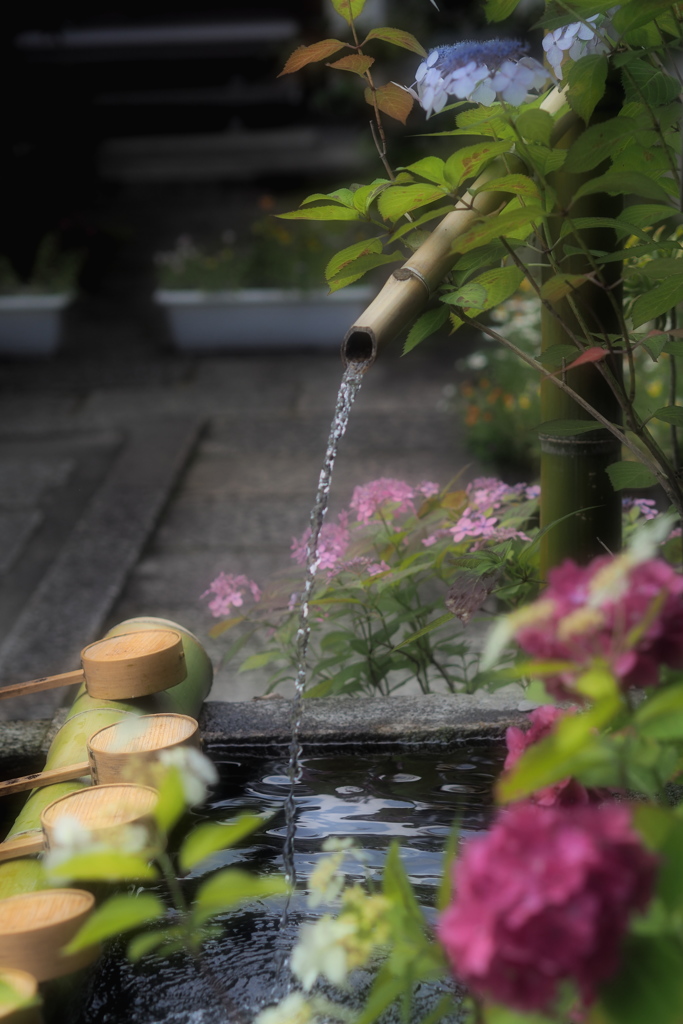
x: 591, y: 355
x: 676, y: 333
x: 304, y: 55
x: 354, y: 62
x: 392, y: 100
x: 399, y: 38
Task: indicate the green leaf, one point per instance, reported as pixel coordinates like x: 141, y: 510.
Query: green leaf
x: 145, y: 943
x: 559, y: 285
x: 493, y: 1014
x: 469, y: 160
x: 630, y: 474
x: 670, y: 414
x: 344, y: 257
x: 541, y: 158
x: 366, y: 194
x: 259, y: 660
x: 399, y: 38
x: 228, y: 888
x: 425, y: 325
x: 171, y: 804
x: 661, y: 715
x: 568, y: 428
x: 445, y: 890
x: 210, y: 837
x: 361, y: 266
x: 648, y: 986
x: 535, y: 126
x: 397, y: 888
x: 105, y: 865
x: 635, y: 14
x: 518, y: 184
x: 664, y: 266
x: 554, y: 757
x: 498, y: 226
x: 410, y: 226
x: 657, y: 301
x: 648, y: 84
x: 304, y: 55
x: 321, y: 213
x: 488, y: 290
x: 349, y: 9
x: 645, y: 214
x: 499, y: 10
x: 430, y: 167
x: 119, y: 914
x: 429, y: 628
x: 586, y: 84
x: 400, y: 199
x: 625, y: 183
x: 598, y: 142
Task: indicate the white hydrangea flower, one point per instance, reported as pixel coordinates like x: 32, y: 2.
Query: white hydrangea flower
x: 477, y: 71
x: 196, y: 771
x: 321, y: 950
x: 577, y: 40
x: 293, y: 1009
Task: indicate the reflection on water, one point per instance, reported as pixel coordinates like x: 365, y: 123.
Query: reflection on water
x: 413, y: 798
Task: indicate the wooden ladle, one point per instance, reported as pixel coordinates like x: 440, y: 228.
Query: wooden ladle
x: 34, y: 926
x: 116, y: 751
x: 100, y: 809
x: 119, y: 667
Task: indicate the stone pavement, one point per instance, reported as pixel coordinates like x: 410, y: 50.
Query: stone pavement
x: 131, y: 477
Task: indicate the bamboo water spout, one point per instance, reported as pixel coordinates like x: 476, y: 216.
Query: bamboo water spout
x: 409, y: 288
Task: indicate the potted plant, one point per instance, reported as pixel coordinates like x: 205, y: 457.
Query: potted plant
x: 265, y: 289
x: 30, y: 311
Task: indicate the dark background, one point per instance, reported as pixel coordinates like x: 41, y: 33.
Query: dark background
x: 128, y: 125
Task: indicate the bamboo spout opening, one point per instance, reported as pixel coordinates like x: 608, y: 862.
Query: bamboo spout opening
x: 359, y: 346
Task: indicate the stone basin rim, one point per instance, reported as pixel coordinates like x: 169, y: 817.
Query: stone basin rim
x: 264, y: 724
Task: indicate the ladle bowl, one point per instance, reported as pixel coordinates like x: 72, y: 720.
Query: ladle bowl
x: 35, y: 926
x: 121, y: 752
x: 119, y: 667
x: 102, y: 810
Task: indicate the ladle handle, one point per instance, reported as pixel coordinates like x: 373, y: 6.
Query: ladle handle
x: 47, y: 778
x: 44, y: 683
x: 22, y: 846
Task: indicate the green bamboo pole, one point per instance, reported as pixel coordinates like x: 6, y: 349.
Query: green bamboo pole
x: 576, y: 493
x: 86, y: 716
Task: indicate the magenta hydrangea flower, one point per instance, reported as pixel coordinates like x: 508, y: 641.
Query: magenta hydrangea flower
x: 630, y: 616
x: 543, y: 899
x: 566, y: 793
x: 229, y: 591
x: 390, y: 497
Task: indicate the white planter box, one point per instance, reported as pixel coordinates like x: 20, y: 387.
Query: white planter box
x: 30, y: 324
x: 261, y: 317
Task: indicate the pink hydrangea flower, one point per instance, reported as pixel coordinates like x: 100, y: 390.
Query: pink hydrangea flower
x: 473, y: 524
x: 229, y: 591
x: 566, y: 793
x: 332, y: 544
x: 590, y: 612
x: 544, y: 898
x: 391, y: 497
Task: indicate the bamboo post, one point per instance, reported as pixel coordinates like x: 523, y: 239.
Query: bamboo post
x: 86, y: 716
x: 576, y: 493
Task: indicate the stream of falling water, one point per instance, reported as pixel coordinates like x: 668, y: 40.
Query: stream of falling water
x: 349, y: 387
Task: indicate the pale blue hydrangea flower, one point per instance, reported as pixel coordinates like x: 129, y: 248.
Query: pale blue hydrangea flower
x: 478, y: 71
x: 577, y: 40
